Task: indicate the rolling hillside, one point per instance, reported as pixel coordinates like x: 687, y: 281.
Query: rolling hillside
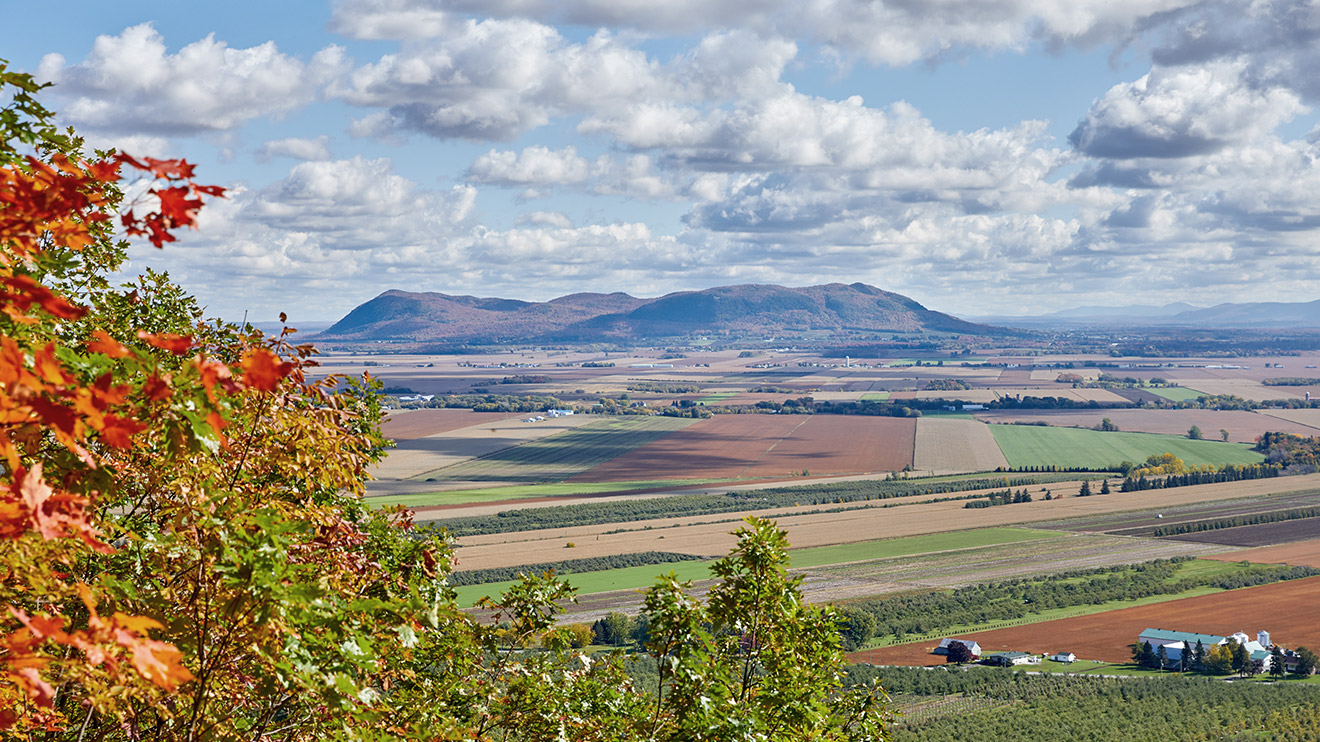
x: 855, y: 310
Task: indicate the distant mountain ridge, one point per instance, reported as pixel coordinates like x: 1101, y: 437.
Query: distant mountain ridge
x: 1180, y: 314
x: 853, y: 309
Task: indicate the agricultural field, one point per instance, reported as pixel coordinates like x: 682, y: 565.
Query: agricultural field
x: 819, y: 526
x: 1031, y: 445
x: 1285, y: 609
x: 407, y: 425
x: 415, y: 458
x: 1302, y: 553
x: 1243, y: 426
x: 557, y: 457
x: 768, y: 446
x: 1020, y: 559
x: 1175, y: 393
x: 1261, y: 534
x: 1144, y: 522
x: 1245, y: 389
x: 1308, y: 419
x: 945, y: 445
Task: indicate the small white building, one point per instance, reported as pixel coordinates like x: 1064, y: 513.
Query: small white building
x: 1064, y: 657
x: 558, y: 413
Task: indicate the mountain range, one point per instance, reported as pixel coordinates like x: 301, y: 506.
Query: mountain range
x: 1244, y: 315
x: 852, y: 310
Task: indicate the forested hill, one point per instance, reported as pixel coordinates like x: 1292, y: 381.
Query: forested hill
x: 852, y: 310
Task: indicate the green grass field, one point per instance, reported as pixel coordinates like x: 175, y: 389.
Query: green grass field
x: 1174, y: 393
x: 897, y: 547
x: 522, y: 491
x: 640, y: 577
x: 875, y: 396
x: 1030, y: 445
x: 560, y: 456
x: 634, y: 578
x: 717, y: 397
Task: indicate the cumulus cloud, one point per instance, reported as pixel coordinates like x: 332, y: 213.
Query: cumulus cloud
x: 131, y: 84
x: 297, y: 148
x: 495, y: 79
x: 886, y: 32
x: 1182, y: 112
x: 532, y: 166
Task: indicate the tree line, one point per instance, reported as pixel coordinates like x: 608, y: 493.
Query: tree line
x: 1062, y: 708
x: 1250, y: 519
x: 924, y: 613
x: 567, y: 566
x: 594, y: 513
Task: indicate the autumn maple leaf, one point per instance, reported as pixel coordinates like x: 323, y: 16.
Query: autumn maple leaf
x: 263, y: 370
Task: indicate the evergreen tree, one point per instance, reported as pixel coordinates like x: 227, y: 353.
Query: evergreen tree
x: 1104, y: 487
x: 1162, y: 657
x: 1276, y: 662
x: 1085, y: 491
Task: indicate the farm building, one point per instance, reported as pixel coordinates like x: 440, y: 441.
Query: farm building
x: 1064, y: 657
x: 558, y: 413
x: 943, y: 648
x: 1008, y: 659
x: 1176, y: 642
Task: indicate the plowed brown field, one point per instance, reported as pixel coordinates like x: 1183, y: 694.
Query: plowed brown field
x: 1303, y: 553
x: 720, y: 447
x: 413, y: 424
x: 840, y: 444
x: 1286, y: 609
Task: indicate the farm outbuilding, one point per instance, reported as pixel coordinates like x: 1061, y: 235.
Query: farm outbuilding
x: 943, y: 648
x: 1064, y: 657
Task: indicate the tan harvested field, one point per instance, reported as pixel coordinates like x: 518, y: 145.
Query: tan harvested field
x: 1302, y: 553
x: 979, y: 396
x: 953, y: 445
x: 406, y: 425
x: 840, y: 444
x: 961, y: 567
x: 1286, y: 609
x: 1065, y: 392
x: 1097, y: 395
x: 1244, y: 388
x: 418, y: 456
x: 1243, y: 426
x: 720, y: 447
x: 1308, y: 419
x: 698, y: 535
x: 1051, y: 374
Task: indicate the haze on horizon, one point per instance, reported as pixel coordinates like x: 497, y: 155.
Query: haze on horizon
x: 985, y: 158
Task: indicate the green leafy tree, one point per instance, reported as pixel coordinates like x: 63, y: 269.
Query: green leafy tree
x: 756, y: 662
x: 959, y: 653
x: 1223, y: 433
x: 615, y: 628
x: 1194, y: 433
x: 856, y: 626
x: 1306, y: 662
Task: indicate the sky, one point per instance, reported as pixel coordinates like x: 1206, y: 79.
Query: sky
x: 981, y: 156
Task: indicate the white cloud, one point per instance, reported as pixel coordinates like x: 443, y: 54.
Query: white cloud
x: 130, y: 83
x: 885, y: 31
x: 532, y: 166
x: 545, y: 218
x: 495, y: 79
x: 297, y: 148
x: 1182, y: 112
